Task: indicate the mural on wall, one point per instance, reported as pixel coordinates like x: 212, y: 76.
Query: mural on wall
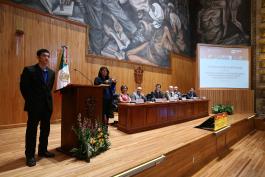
x: 221, y: 21
x: 141, y: 31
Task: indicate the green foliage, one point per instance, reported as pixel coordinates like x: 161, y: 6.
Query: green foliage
x: 219, y: 108
x: 83, y: 152
x: 92, y: 139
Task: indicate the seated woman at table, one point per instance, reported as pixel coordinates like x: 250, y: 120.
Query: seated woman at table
x: 124, y: 97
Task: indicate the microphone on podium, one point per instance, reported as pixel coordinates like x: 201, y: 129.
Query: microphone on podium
x: 82, y: 74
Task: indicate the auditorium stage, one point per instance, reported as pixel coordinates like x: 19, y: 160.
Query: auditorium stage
x: 127, y: 150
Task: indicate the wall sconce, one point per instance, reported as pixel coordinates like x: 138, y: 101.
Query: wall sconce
x: 19, y: 34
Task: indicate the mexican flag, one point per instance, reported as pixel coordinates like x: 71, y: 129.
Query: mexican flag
x: 63, y: 76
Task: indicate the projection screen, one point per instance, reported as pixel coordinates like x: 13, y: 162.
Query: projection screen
x: 223, y: 66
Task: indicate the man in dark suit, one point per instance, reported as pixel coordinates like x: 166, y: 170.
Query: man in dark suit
x: 36, y: 84
x: 191, y: 94
x: 157, y: 93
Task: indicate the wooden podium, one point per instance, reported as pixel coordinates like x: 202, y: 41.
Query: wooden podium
x: 84, y: 99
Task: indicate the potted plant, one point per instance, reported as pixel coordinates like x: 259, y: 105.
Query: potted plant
x: 92, y: 139
x: 219, y: 108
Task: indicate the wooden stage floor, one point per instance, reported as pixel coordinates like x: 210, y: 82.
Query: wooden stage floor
x: 127, y: 150
x: 246, y: 158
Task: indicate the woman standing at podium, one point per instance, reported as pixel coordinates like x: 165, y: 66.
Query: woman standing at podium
x: 103, y: 78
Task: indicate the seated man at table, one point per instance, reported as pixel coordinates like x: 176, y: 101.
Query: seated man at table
x: 124, y: 97
x: 157, y: 93
x: 191, y: 94
x: 177, y: 92
x: 170, y: 95
x: 138, y: 95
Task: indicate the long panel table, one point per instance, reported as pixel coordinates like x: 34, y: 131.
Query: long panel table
x: 146, y: 116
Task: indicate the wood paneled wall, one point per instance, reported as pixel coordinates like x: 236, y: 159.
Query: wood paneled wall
x: 242, y: 100
x: 42, y: 31
x: 124, y: 73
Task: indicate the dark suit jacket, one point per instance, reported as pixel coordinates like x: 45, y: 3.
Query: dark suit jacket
x: 36, y: 93
x: 191, y: 94
x: 157, y: 94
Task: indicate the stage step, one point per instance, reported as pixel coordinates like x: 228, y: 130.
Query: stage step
x: 188, y: 159
x: 260, y: 123
x: 245, y: 159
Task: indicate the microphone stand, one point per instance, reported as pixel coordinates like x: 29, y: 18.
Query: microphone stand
x: 82, y: 74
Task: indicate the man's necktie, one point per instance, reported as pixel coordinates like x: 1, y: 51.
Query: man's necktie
x: 45, y: 76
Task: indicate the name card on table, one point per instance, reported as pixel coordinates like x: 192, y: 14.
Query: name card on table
x: 172, y: 99
x: 159, y: 100
x: 139, y: 101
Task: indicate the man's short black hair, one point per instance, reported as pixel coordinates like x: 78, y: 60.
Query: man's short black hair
x: 41, y: 51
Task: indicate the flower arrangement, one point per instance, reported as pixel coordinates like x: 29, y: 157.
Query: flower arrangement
x: 93, y: 138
